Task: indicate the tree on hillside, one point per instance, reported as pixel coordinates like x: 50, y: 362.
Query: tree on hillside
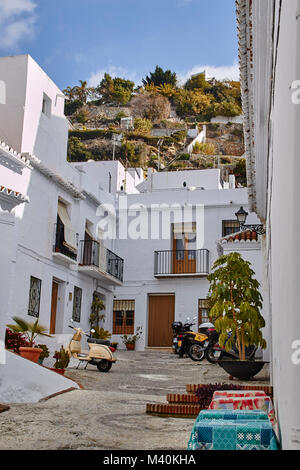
x: 193, y: 103
x: 197, y: 81
x: 82, y: 91
x: 160, y: 76
x: 115, y: 90
x: 152, y: 106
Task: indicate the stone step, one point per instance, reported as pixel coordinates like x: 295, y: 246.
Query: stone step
x: 173, y: 411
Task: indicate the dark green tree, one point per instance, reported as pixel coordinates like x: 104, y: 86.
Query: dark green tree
x: 160, y: 77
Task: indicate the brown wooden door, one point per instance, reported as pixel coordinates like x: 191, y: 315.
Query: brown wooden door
x: 161, y: 316
x: 53, y: 308
x: 184, y: 259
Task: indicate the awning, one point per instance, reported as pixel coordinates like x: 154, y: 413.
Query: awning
x: 70, y: 237
x: 184, y: 227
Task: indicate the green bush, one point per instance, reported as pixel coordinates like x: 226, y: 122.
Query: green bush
x: 184, y: 156
x: 72, y: 106
x: 204, y: 148
x: 143, y: 125
x: 77, y: 152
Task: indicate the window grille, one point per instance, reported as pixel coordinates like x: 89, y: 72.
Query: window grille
x: 77, y: 304
x: 34, y: 297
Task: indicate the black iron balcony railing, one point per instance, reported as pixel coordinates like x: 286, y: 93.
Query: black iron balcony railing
x: 181, y: 262
x: 92, y: 254
x: 59, y: 245
x: 115, y: 265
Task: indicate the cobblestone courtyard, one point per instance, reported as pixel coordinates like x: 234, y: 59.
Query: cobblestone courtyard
x: 110, y: 412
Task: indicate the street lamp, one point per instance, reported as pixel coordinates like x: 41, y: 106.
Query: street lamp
x: 241, y: 216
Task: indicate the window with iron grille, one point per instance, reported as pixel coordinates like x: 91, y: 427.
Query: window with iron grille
x: 123, y: 320
x: 34, y: 297
x: 77, y: 304
x: 203, y: 311
x: 229, y: 227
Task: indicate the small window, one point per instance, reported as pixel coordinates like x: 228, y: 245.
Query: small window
x: 34, y: 297
x: 46, y: 106
x: 229, y: 227
x: 123, y: 322
x: 203, y: 316
x: 77, y: 304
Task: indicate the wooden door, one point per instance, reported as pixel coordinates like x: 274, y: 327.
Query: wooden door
x: 160, y: 318
x: 184, y: 259
x: 53, y: 307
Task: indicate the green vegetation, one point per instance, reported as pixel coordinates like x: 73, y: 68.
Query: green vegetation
x: 77, y: 152
x: 204, y: 148
x: 234, y: 293
x: 160, y: 77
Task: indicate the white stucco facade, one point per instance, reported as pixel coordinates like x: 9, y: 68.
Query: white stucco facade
x: 269, y: 33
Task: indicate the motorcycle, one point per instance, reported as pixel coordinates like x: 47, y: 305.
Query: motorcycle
x: 178, y: 329
x: 191, y: 343
x: 100, y: 352
x: 215, y: 352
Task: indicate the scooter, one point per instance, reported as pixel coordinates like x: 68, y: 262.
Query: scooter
x: 99, y: 354
x: 178, y: 330
x: 191, y: 343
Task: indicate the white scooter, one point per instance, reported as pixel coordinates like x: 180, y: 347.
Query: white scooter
x: 99, y: 354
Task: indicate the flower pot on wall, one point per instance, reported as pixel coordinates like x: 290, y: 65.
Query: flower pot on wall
x: 32, y: 354
x: 130, y: 347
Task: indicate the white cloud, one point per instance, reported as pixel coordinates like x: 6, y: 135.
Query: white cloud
x: 17, y: 21
x: 113, y: 71
x: 220, y: 72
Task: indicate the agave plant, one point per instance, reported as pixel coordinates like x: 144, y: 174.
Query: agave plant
x: 29, y: 330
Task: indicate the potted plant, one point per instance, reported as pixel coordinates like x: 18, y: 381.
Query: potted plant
x: 236, y: 303
x: 130, y: 340
x: 44, y: 353
x: 30, y: 331
x: 62, y: 359
x: 13, y: 341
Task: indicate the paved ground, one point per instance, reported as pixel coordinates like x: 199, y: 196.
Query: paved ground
x: 110, y: 412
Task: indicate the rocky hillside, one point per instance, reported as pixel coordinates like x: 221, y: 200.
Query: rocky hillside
x: 99, y: 133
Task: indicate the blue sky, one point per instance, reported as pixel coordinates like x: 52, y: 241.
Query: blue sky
x: 82, y: 39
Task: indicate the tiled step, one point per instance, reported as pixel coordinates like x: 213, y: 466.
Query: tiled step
x: 180, y: 399
x: 192, y: 388
x: 173, y: 411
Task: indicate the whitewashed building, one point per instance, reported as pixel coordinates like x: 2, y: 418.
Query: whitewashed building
x: 152, y: 271
x: 269, y: 41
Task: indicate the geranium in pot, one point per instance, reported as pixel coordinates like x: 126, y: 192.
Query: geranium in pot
x: 62, y: 360
x: 236, y: 303
x: 30, y: 331
x: 130, y: 340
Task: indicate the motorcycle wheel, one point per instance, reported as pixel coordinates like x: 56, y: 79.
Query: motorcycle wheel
x: 210, y: 356
x: 196, y: 352
x: 104, y: 366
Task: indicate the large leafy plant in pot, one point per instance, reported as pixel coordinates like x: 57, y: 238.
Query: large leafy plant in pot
x: 236, y: 303
x: 30, y: 330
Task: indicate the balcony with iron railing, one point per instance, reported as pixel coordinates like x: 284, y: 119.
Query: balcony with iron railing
x: 180, y: 263
x: 60, y: 250
x: 101, y: 263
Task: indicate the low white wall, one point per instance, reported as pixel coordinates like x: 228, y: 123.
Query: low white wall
x: 23, y: 381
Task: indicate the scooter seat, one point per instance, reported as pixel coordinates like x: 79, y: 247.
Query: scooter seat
x: 82, y: 354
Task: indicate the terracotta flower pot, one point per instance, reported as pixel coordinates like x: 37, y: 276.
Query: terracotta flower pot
x: 130, y: 347
x: 32, y: 354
